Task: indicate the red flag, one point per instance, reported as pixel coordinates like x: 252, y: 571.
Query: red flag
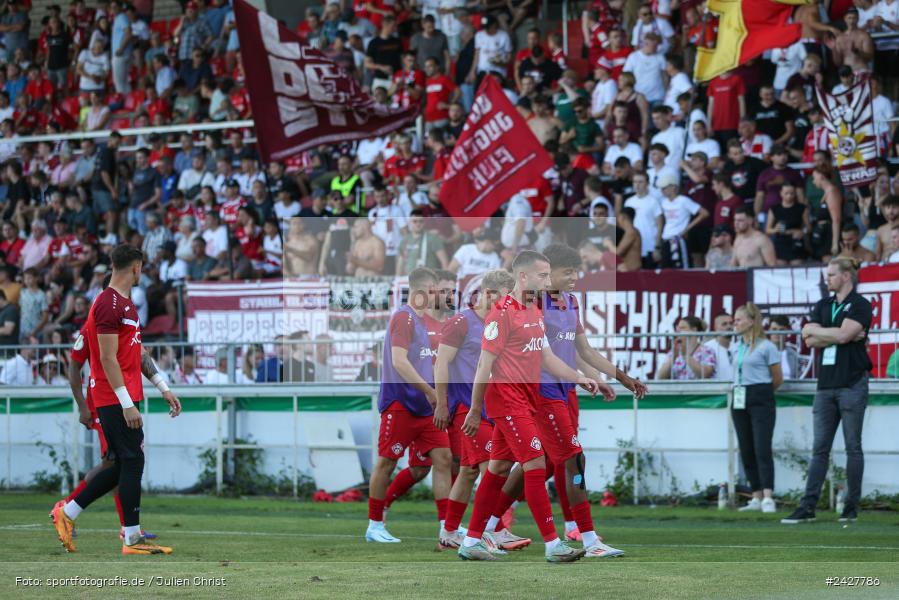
x: 496, y: 156
x: 300, y: 98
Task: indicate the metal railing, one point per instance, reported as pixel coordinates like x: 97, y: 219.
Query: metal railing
x: 170, y: 355
x: 224, y: 442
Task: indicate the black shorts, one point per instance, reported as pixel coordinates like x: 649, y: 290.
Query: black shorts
x: 122, y: 441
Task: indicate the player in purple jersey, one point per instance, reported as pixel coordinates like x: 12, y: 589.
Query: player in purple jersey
x: 406, y: 403
x: 556, y: 421
x: 457, y: 361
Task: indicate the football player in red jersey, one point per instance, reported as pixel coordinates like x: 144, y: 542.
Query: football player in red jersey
x: 513, y: 351
x: 113, y: 338
x: 89, y: 418
x: 460, y: 347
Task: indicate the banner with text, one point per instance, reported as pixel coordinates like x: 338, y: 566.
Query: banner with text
x: 644, y: 302
x: 496, y: 157
x: 300, y: 98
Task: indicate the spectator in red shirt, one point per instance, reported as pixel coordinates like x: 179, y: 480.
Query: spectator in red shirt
x: 727, y: 105
x: 728, y: 202
x: 440, y: 93
x: 613, y: 57
x: 249, y: 235
x: 437, y: 144
x: 404, y: 162
x: 556, y: 51
x: 12, y: 244
x: 38, y: 87
x: 408, y: 83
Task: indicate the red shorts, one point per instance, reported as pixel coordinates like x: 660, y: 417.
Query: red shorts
x: 475, y: 450
x: 417, y: 459
x: 454, y: 431
x: 574, y: 408
x: 399, y: 428
x: 557, y: 431
x: 102, y: 437
x: 516, y: 439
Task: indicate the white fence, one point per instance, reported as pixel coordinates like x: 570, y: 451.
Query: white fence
x: 326, y: 431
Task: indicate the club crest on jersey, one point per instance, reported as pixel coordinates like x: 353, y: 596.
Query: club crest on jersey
x: 491, y: 331
x: 397, y: 449
x: 534, y: 345
x: 535, y: 443
x: 489, y: 446
x: 574, y: 441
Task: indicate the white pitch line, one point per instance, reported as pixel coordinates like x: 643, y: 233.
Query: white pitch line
x: 36, y: 526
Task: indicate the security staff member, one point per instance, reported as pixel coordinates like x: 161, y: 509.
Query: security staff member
x: 837, y: 328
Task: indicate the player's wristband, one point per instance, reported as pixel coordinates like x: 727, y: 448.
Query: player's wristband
x: 124, y: 397
x: 160, y: 383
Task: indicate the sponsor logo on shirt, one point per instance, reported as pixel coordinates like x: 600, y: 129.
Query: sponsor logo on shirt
x: 567, y: 336
x: 535, y: 345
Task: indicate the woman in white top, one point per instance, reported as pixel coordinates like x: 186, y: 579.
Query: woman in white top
x: 757, y: 374
x: 184, y: 238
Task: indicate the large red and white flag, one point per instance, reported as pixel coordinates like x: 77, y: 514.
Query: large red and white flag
x: 849, y: 118
x: 300, y: 98
x: 496, y: 156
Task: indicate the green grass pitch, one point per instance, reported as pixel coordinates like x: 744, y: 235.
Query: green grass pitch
x: 275, y: 548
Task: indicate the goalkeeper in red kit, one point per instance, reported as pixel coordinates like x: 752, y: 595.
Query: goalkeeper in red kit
x: 115, y: 355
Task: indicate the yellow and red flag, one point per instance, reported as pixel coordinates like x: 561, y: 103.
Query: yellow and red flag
x: 746, y: 28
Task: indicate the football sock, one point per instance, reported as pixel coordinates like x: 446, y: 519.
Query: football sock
x: 132, y: 532
x: 399, y: 486
x: 550, y: 544
x: 491, y: 524
x: 376, y: 510
x: 72, y: 509
x: 561, y: 479
x: 468, y: 541
x: 101, y: 483
x: 441, y: 509
x: 570, y: 526
x: 129, y: 488
x: 484, y: 501
x: 584, y: 522
x: 118, y: 508
x: 589, y: 538
x: 454, y: 513
x: 78, y: 489
x: 538, y: 503
x: 503, y: 502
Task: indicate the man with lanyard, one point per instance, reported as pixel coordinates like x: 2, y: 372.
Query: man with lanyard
x: 838, y: 326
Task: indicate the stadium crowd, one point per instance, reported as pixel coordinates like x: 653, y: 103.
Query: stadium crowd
x: 651, y: 169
